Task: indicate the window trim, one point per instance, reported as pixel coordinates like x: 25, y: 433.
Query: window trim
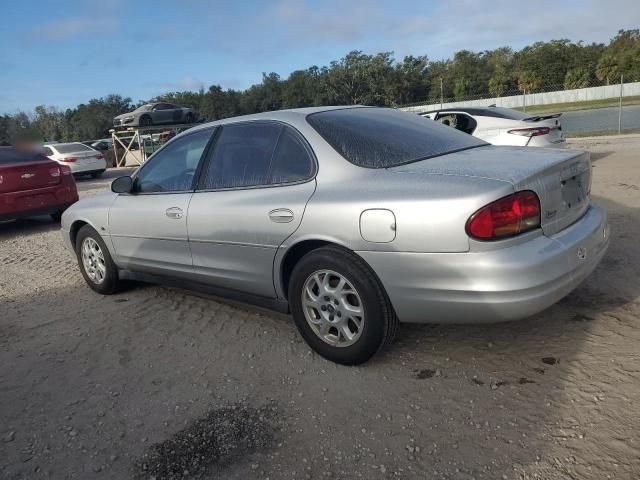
x: 196, y: 176
x: 209, y: 159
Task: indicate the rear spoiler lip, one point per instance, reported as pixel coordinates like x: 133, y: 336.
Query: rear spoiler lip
x: 541, y: 117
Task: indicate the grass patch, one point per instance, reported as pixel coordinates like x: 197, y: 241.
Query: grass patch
x: 606, y: 133
x: 586, y: 105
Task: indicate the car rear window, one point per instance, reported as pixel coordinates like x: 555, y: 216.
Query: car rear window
x: 12, y: 155
x: 384, y: 137
x: 500, y: 112
x: 71, y: 148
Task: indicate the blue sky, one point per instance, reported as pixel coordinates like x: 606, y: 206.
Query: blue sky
x: 65, y: 52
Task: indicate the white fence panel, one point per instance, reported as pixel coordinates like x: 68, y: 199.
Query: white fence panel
x: 545, y: 98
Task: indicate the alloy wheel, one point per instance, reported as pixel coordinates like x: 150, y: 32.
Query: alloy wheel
x: 333, y: 308
x: 93, y: 261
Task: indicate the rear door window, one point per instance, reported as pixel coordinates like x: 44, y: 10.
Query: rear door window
x: 72, y: 148
x: 242, y: 155
x: 13, y: 155
x: 384, y: 138
x: 292, y: 161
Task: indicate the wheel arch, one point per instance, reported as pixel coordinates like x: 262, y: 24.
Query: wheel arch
x: 74, y: 229
x: 298, y: 250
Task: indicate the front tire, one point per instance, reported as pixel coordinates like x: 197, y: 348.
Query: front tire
x: 340, y: 307
x: 95, y: 262
x: 145, y: 121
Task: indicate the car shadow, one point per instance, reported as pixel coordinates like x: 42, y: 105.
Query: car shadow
x: 595, y: 156
x: 26, y: 226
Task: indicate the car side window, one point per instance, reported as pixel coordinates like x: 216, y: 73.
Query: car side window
x: 292, y: 161
x: 242, y: 155
x: 173, y: 168
x: 47, y: 152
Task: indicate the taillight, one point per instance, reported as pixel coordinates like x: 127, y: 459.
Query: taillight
x: 506, y: 217
x: 55, y: 172
x: 530, y: 132
x: 99, y: 156
x: 69, y: 159
x: 65, y: 170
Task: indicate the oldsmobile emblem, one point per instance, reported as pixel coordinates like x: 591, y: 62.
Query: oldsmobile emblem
x: 27, y: 175
x: 582, y: 253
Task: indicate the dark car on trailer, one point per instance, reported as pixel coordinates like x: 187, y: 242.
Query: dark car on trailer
x: 158, y: 113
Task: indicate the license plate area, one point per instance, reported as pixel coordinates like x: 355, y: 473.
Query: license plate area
x: 575, y: 190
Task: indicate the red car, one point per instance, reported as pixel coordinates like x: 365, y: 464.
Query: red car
x: 31, y: 184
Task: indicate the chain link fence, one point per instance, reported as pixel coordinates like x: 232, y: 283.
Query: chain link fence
x: 591, y: 108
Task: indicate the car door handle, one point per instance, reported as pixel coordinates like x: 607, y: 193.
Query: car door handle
x: 281, y: 215
x: 174, y: 212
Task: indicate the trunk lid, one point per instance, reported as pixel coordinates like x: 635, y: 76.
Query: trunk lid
x: 560, y: 178
x: 550, y: 121
x: 20, y: 173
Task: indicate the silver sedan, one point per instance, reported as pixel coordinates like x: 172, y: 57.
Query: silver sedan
x: 352, y: 219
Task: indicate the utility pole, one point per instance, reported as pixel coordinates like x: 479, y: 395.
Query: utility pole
x: 620, y: 105
x: 441, y: 93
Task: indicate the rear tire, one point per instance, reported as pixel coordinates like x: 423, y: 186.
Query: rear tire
x: 57, y: 216
x: 188, y: 118
x: 340, y: 307
x: 95, y: 262
x: 97, y: 174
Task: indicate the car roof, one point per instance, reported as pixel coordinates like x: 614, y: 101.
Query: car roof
x: 281, y: 115
x: 495, y: 112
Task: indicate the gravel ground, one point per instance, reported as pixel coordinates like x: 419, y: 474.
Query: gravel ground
x: 158, y: 383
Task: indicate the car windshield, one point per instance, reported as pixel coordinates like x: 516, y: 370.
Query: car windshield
x: 12, y: 155
x: 384, y: 137
x: 144, y: 108
x: 71, y: 148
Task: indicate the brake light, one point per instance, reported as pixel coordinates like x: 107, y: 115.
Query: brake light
x: 99, y: 156
x: 65, y: 170
x: 69, y: 159
x: 530, y: 132
x: 54, y: 172
x: 509, y: 216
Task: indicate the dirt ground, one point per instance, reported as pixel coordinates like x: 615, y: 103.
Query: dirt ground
x: 158, y: 383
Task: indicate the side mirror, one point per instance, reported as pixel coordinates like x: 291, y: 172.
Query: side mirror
x: 122, y: 185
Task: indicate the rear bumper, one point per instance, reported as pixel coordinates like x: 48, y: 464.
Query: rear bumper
x: 542, y: 142
x: 492, y: 286
x: 43, y: 201
x: 88, y: 166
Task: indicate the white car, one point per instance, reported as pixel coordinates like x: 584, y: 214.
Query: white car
x: 82, y: 160
x: 503, y: 126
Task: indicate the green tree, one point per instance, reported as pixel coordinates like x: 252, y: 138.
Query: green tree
x: 528, y: 81
x: 607, y: 68
x: 577, y: 78
x: 498, y: 84
x: 621, y: 57
x: 460, y: 87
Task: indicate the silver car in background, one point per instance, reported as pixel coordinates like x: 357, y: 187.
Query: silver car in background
x: 352, y: 219
x: 503, y: 126
x: 158, y: 113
